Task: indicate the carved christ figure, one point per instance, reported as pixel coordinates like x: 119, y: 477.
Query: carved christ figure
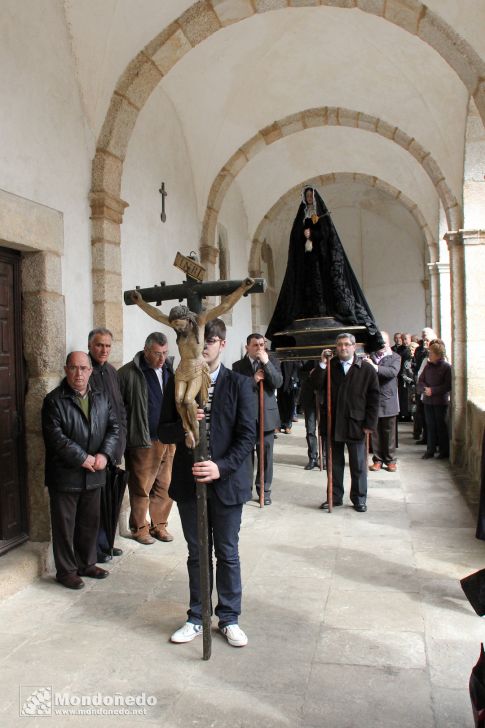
x: 192, y: 376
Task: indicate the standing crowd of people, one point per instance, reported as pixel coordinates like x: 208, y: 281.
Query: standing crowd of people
x: 99, y: 416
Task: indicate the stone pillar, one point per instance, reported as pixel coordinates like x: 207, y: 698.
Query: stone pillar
x: 434, y: 297
x: 444, y: 304
x: 256, y: 306
x: 474, y: 260
x: 209, y: 255
x: 44, y: 345
x: 467, y: 268
x: 107, y: 216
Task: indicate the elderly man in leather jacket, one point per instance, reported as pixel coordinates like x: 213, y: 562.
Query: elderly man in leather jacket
x: 80, y: 435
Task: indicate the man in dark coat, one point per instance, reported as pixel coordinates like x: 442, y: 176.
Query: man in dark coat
x: 105, y: 378
x: 355, y: 402
x: 262, y: 367
x: 308, y: 401
x: 231, y: 429
x: 387, y: 365
x: 81, y: 436
x: 143, y: 384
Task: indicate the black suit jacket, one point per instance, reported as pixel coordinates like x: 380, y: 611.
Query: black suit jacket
x: 273, y: 379
x: 232, y: 437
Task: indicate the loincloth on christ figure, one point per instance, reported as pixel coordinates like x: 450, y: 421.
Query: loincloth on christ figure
x: 190, y: 370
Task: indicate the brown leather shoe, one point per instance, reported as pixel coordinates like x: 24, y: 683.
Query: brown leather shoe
x: 71, y: 581
x: 145, y: 540
x: 161, y: 534
x: 392, y: 467
x: 94, y: 572
x: 375, y: 466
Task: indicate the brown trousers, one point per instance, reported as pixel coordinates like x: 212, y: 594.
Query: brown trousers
x: 149, y: 475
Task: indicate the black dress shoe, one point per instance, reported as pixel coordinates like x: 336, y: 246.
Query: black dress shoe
x: 324, y: 506
x: 111, y: 552
x: 94, y: 572
x: 311, y: 464
x: 421, y: 442
x: 267, y: 500
x: 427, y: 456
x: 360, y: 507
x: 443, y: 456
x: 102, y: 557
x: 71, y: 581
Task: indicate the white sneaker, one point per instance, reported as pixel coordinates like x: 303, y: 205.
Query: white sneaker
x: 234, y: 635
x: 186, y: 633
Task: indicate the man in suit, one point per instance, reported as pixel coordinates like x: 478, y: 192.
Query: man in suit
x: 387, y: 364
x: 258, y: 365
x: 354, y: 392
x: 231, y: 430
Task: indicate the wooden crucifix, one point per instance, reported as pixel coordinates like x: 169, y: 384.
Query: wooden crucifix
x: 192, y: 374
x: 192, y: 379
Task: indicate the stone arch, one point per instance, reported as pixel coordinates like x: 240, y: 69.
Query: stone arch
x: 325, y: 116
x: 206, y: 17
x: 144, y: 72
x: 259, y: 237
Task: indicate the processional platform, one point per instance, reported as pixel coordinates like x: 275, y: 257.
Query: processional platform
x: 306, y: 337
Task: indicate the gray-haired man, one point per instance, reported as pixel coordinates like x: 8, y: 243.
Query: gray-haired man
x: 354, y: 392
x: 143, y: 383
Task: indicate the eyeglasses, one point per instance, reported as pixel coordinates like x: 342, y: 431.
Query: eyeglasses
x: 158, y: 354
x: 213, y: 341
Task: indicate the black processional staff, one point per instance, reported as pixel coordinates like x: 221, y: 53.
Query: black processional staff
x: 201, y: 453
x: 261, y: 443
x: 319, y: 434
x: 328, y: 357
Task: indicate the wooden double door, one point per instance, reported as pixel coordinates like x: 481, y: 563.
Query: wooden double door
x: 13, y: 501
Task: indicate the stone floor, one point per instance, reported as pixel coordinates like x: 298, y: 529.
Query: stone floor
x: 354, y: 620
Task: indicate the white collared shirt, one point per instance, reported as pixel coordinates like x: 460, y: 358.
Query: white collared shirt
x: 159, y: 373
x: 346, y: 365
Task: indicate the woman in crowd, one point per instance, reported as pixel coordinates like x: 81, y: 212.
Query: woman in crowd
x: 434, y: 384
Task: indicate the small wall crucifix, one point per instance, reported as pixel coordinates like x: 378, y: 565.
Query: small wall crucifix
x: 162, y: 191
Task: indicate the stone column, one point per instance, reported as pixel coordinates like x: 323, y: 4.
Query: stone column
x: 444, y: 303
x: 44, y: 345
x: 474, y: 260
x: 256, y: 306
x: 209, y: 255
x: 434, y: 297
x: 467, y: 268
x: 458, y: 340
x: 107, y: 216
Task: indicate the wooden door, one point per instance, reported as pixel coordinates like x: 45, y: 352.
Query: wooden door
x: 13, y: 513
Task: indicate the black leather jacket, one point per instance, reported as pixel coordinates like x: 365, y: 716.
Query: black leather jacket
x: 69, y: 438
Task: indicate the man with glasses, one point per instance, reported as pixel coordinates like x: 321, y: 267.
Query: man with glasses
x: 143, y: 384
x: 354, y: 393
x: 80, y: 435
x: 231, y: 430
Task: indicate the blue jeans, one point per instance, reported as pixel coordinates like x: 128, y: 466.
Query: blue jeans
x: 224, y: 525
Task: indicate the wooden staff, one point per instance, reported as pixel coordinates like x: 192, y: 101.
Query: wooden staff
x: 201, y: 453
x: 319, y: 434
x: 261, y: 443
x: 328, y: 357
